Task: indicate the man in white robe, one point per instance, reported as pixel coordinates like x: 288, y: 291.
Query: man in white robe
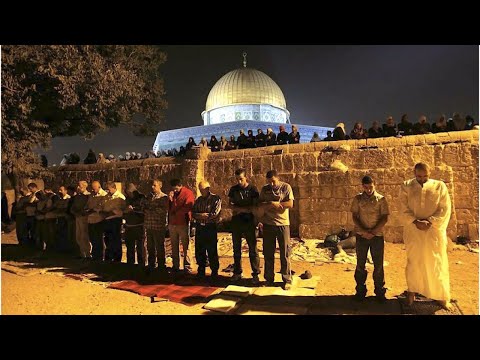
x: 426, y: 210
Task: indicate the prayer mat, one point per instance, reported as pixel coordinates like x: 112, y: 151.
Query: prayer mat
x: 430, y: 307
x: 425, y: 306
x: 187, y: 295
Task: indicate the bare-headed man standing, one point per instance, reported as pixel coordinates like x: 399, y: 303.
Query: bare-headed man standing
x: 426, y: 210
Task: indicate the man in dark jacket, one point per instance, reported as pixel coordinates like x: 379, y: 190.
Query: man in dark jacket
x: 134, y: 233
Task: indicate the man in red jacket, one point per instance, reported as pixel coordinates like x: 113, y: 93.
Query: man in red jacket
x: 179, y: 216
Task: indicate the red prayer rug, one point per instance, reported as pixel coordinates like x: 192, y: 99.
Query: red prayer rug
x: 188, y: 295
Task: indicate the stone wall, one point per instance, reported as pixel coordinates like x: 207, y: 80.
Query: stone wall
x: 322, y: 195
x: 139, y: 172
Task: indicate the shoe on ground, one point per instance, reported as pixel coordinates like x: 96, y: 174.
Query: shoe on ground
x: 381, y: 298
x: 287, y: 286
x: 269, y: 283
x: 236, y: 277
x: 255, y: 280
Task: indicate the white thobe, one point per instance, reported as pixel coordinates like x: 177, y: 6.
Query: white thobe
x: 427, y: 262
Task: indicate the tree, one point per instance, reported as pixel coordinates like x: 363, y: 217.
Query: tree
x: 66, y: 90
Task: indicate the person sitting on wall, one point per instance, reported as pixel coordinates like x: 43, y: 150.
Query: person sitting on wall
x: 214, y: 144
x: 232, y: 144
x: 457, y: 123
x: 440, y: 125
x: 422, y: 126
x: 91, y: 158
x: 358, y: 132
x: 294, y: 136
x: 390, y: 129
x: 470, y: 122
x: 282, y: 137
x: 375, y: 131
x: 260, y: 138
x: 191, y: 143
x: 250, y: 140
x: 271, y: 137
x: 223, y: 143
x: 405, y: 127
x: 316, y: 138
x: 328, y: 138
x: 339, y: 132
x: 242, y: 142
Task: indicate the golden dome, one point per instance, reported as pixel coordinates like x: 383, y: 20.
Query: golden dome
x: 245, y: 86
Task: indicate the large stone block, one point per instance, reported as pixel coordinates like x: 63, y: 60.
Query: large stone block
x: 298, y: 163
x: 326, y: 177
x: 473, y: 232
x: 287, y: 163
x: 465, y: 202
x: 466, y: 216
x: 341, y: 192
x: 438, y: 151
x: 424, y: 154
x: 228, y: 167
x: 289, y: 179
x: 474, y: 153
x: 304, y: 205
x: 256, y: 166
x: 463, y: 189
x: 320, y: 145
x: 296, y: 148
x: 377, y: 158
x: 443, y: 173
x: 403, y: 156
x: 395, y: 176
x: 247, y: 165
x: 339, y: 178
x: 312, y: 217
x: 277, y: 163
x: 305, y: 192
x: 326, y: 191
x: 308, y: 179
x: 309, y: 147
x: 310, y: 162
x: 236, y: 154
x: 333, y: 204
x: 237, y: 164
x: 353, y: 159
x: 443, y: 138
x: 458, y: 155
x: 431, y: 139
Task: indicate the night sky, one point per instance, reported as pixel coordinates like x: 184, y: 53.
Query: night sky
x: 323, y: 85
